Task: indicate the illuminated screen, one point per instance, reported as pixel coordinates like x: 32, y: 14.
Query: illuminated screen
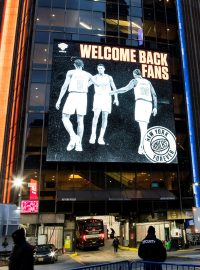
x: 28, y: 206
x: 110, y: 104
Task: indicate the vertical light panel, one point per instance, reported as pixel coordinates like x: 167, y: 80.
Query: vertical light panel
x: 6, y: 56
x: 7, y: 43
x: 14, y: 108
x: 196, y: 187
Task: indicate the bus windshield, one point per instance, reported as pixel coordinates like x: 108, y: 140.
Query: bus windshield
x: 93, y: 226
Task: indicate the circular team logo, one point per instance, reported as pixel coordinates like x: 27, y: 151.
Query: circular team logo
x: 159, y: 145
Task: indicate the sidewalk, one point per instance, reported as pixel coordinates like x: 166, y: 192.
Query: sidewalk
x: 190, y: 253
x: 126, y: 253
x: 191, y: 248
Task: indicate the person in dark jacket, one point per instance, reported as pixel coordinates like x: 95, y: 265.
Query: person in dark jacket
x: 21, y: 257
x: 115, y: 244
x: 5, y: 243
x: 152, y: 249
x: 112, y: 235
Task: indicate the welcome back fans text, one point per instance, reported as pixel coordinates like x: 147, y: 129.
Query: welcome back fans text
x: 153, y: 64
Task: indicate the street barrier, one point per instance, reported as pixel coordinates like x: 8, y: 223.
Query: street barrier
x: 145, y: 265
x: 122, y: 265
x: 139, y: 265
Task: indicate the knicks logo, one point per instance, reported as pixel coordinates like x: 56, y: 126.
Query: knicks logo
x: 62, y: 46
x: 160, y: 145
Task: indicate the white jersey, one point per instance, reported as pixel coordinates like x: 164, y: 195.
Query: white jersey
x: 102, y: 99
x: 79, y: 81
x: 104, y: 84
x: 143, y: 90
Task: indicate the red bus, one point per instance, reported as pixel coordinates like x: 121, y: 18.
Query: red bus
x: 89, y: 233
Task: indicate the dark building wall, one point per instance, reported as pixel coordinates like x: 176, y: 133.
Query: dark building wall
x: 191, y: 16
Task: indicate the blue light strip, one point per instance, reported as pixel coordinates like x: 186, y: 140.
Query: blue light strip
x: 196, y: 187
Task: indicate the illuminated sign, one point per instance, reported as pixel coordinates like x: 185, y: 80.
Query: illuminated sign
x: 110, y: 104
x: 33, y: 189
x: 28, y: 206
x: 196, y: 214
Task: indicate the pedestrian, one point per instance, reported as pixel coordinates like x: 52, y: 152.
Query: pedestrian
x: 115, y: 244
x: 112, y: 234
x: 152, y: 249
x: 21, y: 257
x: 5, y: 243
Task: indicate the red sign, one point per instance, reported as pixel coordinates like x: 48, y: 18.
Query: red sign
x: 33, y: 189
x: 29, y: 206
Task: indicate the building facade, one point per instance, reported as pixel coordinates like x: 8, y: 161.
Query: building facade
x: 134, y: 191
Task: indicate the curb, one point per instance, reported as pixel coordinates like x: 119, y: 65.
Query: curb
x: 183, y: 257
x: 128, y: 248
x: 73, y: 254
x: 178, y: 250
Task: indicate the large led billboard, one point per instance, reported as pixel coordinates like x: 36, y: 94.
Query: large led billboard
x: 110, y: 104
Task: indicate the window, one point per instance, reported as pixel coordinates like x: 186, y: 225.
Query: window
x: 86, y: 5
x: 41, y: 76
x: 98, y: 22
x: 143, y: 180
x: 44, y: 3
x: 148, y: 3
x: 58, y: 3
x: 58, y: 18
x: 85, y: 22
x: 136, y: 12
x: 72, y: 20
x: 42, y: 37
x: 73, y: 4
x: 43, y: 16
x: 37, y: 97
x: 137, y: 3
x: 41, y: 53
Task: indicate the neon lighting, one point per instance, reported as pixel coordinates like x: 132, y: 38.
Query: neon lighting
x: 28, y: 206
x: 33, y: 194
x: 196, y: 186
x: 6, y: 57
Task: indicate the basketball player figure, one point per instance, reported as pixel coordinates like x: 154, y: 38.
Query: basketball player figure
x: 76, y: 81
x: 145, y: 102
x: 102, y: 102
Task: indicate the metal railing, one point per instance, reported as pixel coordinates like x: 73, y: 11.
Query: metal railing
x: 145, y: 265
x: 122, y: 265
x: 139, y: 265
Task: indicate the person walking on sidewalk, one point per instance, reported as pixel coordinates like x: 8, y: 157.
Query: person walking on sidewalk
x: 112, y: 235
x: 115, y: 244
x: 152, y: 249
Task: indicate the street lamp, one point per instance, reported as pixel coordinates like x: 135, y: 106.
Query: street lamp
x: 18, y: 183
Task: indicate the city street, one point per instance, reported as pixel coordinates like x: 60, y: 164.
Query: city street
x: 106, y: 254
